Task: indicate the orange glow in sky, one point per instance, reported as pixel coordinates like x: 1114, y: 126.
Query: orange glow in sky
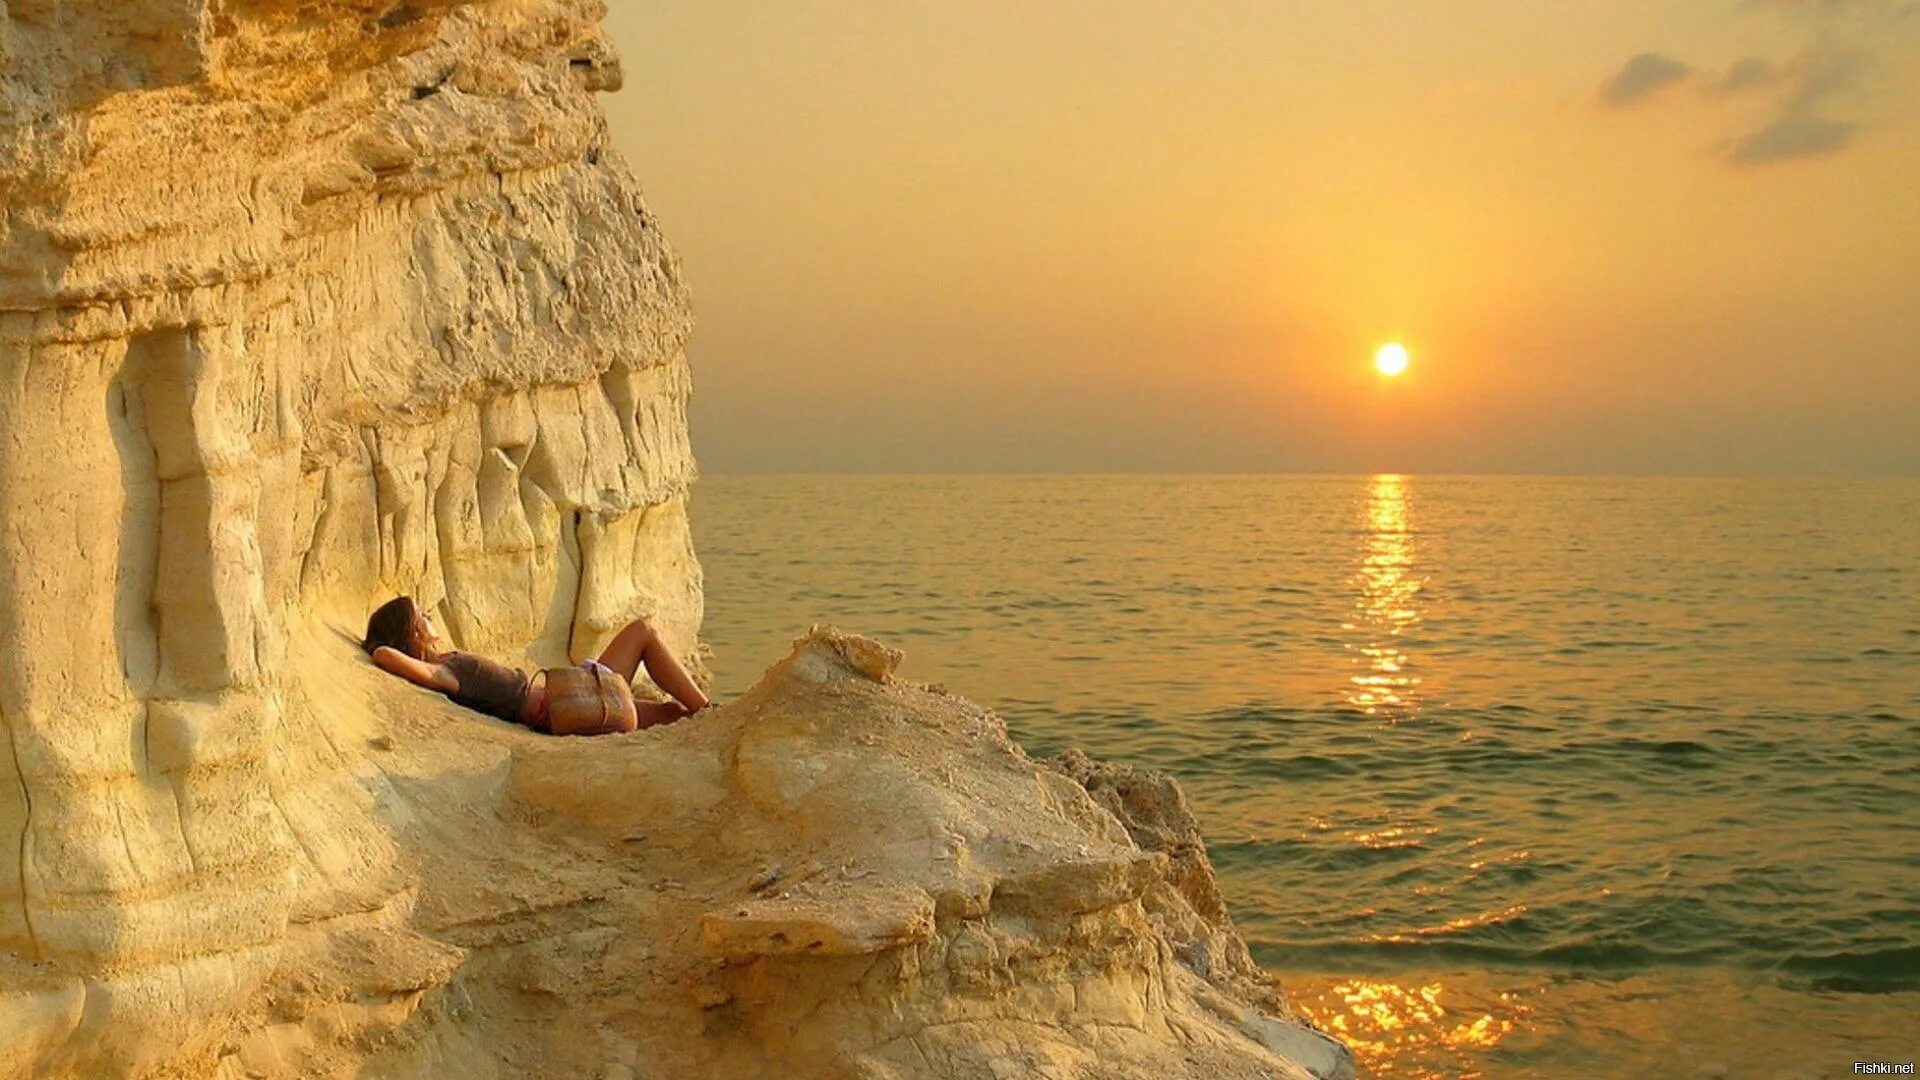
x: 1084, y: 236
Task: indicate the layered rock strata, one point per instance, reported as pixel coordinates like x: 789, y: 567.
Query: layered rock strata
x: 304, y: 305
x: 301, y: 305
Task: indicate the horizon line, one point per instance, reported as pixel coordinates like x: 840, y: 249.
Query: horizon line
x: 704, y: 473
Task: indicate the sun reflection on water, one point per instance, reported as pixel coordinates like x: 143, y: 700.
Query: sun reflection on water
x: 1413, y: 1029
x: 1388, y: 605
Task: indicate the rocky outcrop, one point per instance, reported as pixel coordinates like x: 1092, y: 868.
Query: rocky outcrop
x: 303, y: 305
x: 839, y: 874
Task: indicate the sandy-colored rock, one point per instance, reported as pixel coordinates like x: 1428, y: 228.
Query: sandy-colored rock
x: 303, y: 305
x: 875, y: 881
x: 853, y: 922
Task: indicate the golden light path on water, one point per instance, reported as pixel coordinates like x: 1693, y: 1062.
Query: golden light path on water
x: 1387, y: 604
x: 1413, y: 1027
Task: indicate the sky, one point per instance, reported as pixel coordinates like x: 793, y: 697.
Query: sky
x: 1616, y: 236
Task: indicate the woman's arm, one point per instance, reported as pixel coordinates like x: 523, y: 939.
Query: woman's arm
x: 418, y: 672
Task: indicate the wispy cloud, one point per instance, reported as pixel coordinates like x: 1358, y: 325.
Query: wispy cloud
x: 1807, y: 94
x: 1748, y: 73
x: 1641, y: 78
x: 1791, y: 137
x: 1801, y: 128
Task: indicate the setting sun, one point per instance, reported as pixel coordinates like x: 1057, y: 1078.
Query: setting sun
x: 1391, y: 360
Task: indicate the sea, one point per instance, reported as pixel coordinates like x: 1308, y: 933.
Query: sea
x: 1502, y: 776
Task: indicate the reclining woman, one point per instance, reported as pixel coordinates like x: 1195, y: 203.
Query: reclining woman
x: 403, y: 641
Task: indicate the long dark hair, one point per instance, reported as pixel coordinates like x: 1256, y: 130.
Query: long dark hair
x: 396, y: 624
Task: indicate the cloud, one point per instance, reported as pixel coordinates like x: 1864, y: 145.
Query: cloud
x: 1817, y: 72
x: 1798, y: 129
x: 1790, y: 137
x: 1822, y: 72
x: 1807, y: 95
x: 1748, y: 73
x: 1641, y: 78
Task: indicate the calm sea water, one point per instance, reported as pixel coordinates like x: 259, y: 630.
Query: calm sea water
x: 1505, y: 777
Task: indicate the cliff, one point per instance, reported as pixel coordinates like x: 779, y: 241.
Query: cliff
x: 304, y: 305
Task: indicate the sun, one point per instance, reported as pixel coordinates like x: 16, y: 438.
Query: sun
x: 1391, y: 360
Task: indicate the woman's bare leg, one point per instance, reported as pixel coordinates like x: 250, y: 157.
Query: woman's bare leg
x: 638, y: 646
x: 654, y: 713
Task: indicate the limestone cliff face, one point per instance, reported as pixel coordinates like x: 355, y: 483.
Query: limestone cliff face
x: 301, y: 305
x: 306, y: 303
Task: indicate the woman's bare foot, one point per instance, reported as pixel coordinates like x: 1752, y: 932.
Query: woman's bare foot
x: 655, y: 713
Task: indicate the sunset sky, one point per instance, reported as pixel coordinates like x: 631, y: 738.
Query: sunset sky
x: 1616, y: 237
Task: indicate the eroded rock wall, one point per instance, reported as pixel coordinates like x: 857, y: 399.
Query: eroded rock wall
x: 302, y: 305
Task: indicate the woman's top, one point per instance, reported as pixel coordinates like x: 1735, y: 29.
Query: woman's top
x: 487, y: 686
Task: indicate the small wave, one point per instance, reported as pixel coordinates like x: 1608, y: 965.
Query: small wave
x: 1681, y: 747
x: 1674, y: 753
x: 1516, y: 868
x: 1429, y: 953
x: 1301, y: 767
x: 1877, y: 971
x: 1669, y: 932
x: 1323, y: 856
x: 1466, y: 925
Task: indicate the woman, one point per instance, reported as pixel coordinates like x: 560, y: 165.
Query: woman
x: 402, y: 640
